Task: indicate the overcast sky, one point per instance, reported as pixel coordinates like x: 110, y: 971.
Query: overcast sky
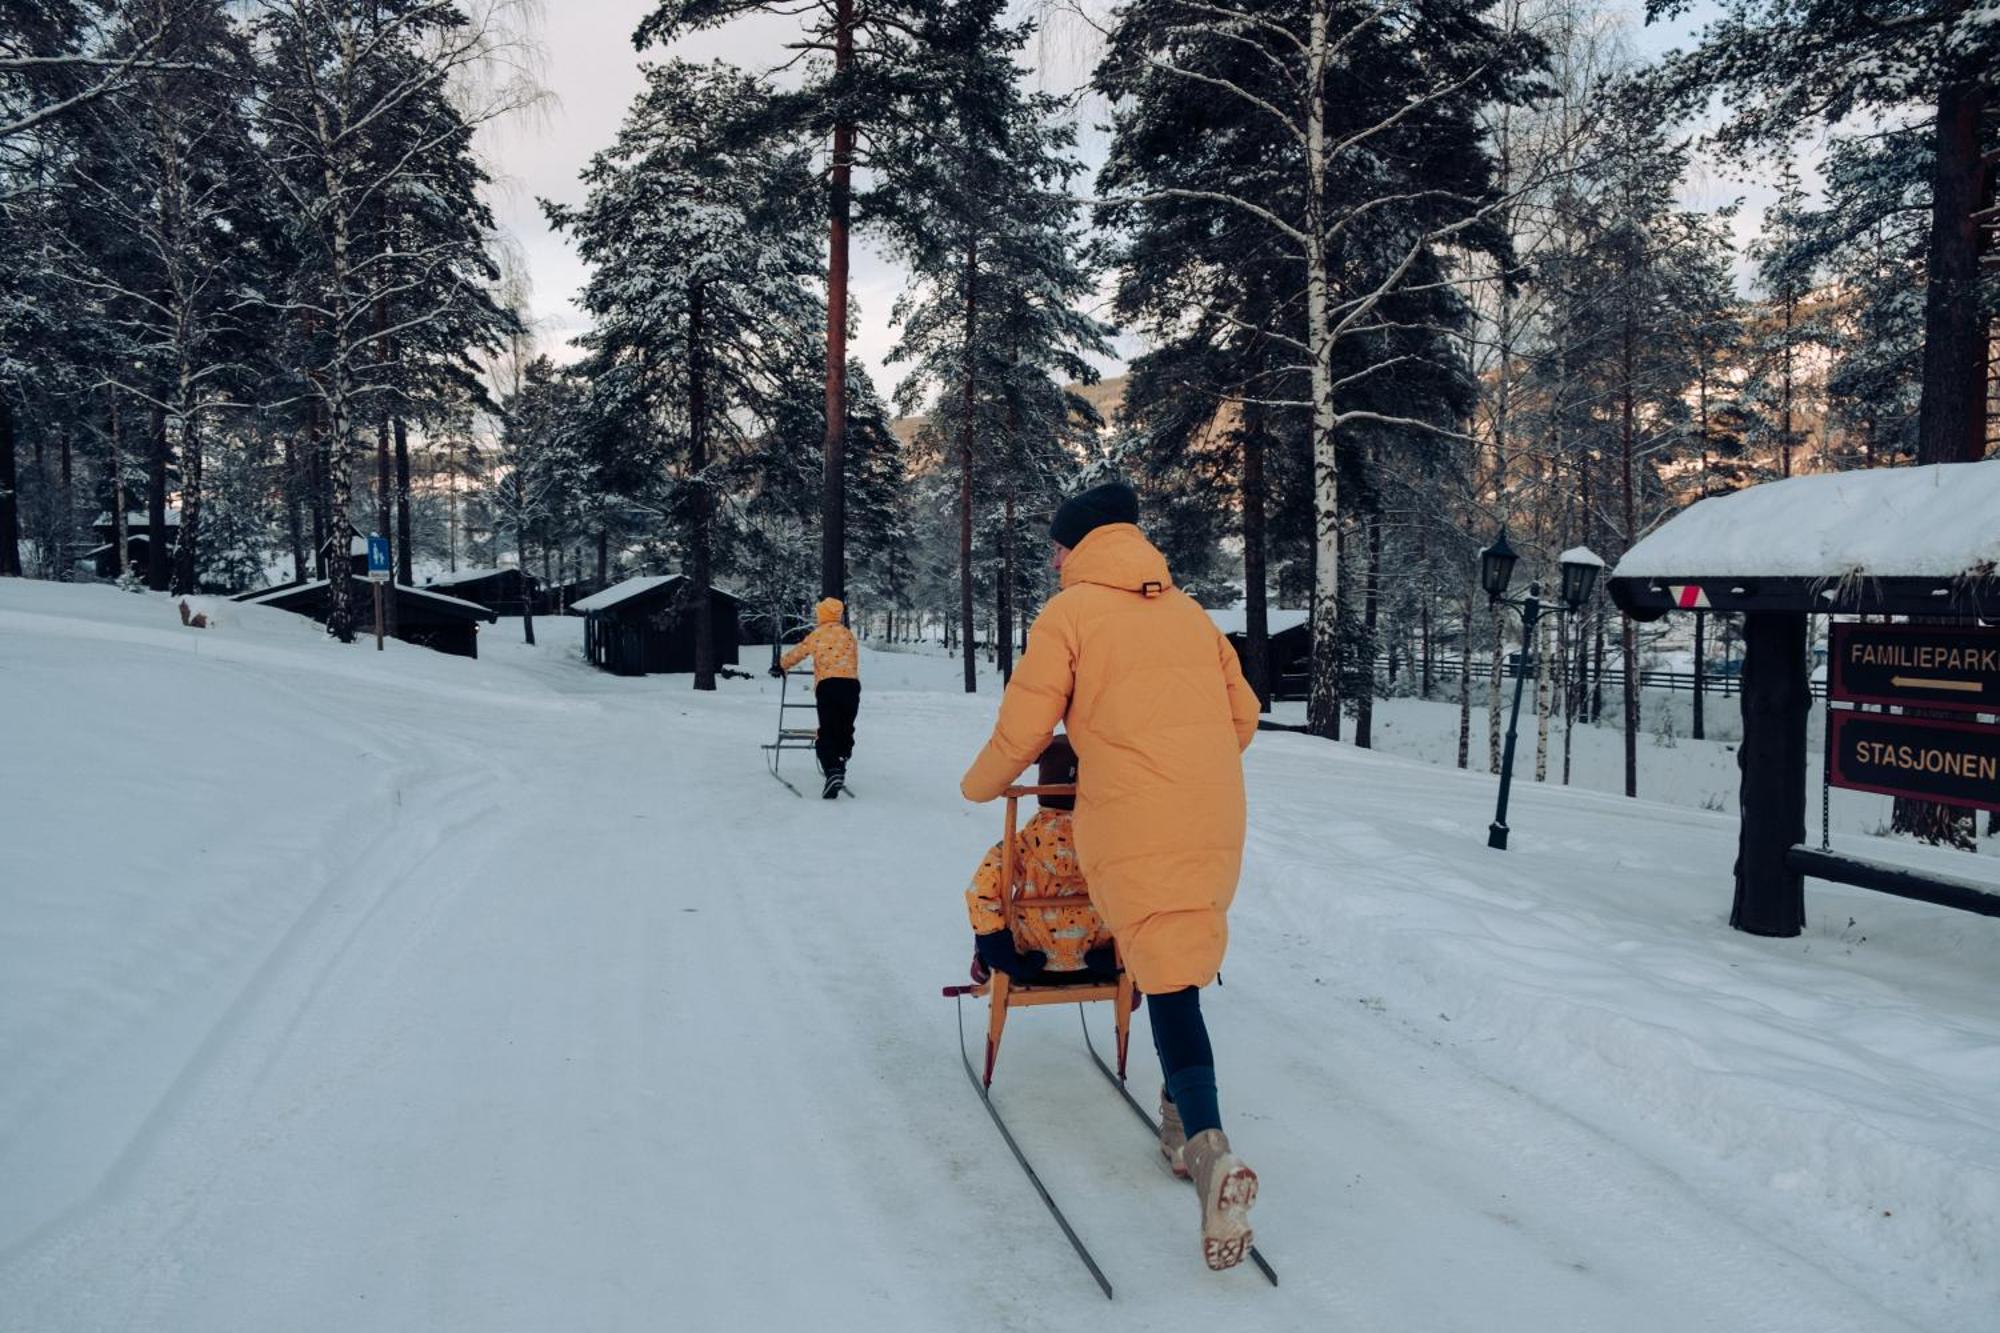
x: 592, y: 72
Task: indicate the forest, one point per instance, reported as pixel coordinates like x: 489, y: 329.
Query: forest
x: 1398, y: 274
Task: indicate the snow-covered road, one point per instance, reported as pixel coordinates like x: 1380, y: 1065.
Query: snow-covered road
x: 343, y: 990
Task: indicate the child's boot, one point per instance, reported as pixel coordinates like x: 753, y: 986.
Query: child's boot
x: 1173, y: 1138
x: 1227, y: 1187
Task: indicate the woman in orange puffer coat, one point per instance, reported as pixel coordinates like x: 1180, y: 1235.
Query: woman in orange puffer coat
x: 1155, y: 703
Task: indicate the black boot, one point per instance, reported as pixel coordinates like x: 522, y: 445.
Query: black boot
x: 836, y: 778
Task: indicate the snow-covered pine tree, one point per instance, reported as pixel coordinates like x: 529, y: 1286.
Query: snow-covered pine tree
x: 703, y: 266
x: 356, y: 116
x: 860, y: 62
x: 1782, y: 330
x: 167, y: 178
x: 991, y: 325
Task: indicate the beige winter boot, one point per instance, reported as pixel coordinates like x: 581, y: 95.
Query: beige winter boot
x: 1226, y: 1188
x: 1173, y: 1138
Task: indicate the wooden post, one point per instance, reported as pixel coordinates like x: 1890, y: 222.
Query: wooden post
x: 1770, y: 893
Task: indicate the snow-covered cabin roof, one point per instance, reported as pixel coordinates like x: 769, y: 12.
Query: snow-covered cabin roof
x: 1277, y: 619
x: 1905, y: 541
x: 472, y: 576
x: 637, y: 586
x: 290, y: 590
x: 1941, y: 521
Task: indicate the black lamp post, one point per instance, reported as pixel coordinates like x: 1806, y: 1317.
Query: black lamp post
x: 1496, y: 569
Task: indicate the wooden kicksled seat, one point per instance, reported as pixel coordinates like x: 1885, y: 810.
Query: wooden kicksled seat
x: 1004, y: 994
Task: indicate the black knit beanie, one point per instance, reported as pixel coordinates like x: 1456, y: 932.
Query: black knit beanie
x: 1113, y: 502
x: 1058, y: 765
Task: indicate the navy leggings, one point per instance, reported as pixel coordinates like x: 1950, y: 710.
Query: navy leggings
x: 1181, y: 1040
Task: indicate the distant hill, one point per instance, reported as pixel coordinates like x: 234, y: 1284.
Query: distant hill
x: 1107, y: 396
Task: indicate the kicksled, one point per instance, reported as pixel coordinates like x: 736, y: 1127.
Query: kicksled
x: 1004, y: 995
x: 792, y: 736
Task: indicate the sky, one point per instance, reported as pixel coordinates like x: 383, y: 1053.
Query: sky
x: 592, y: 73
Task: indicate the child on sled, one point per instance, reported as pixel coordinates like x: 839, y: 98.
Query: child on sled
x: 1048, y: 944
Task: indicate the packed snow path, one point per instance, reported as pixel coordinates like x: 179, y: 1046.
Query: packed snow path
x: 345, y: 990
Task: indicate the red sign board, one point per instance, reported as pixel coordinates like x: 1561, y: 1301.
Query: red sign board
x: 1930, y: 666
x: 1952, y: 763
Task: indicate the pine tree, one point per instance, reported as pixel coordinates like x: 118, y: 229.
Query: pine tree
x: 991, y: 325
x: 1787, y: 67
x: 856, y: 102
x: 701, y: 289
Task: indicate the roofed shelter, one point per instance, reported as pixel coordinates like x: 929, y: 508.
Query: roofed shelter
x: 1917, y: 542
x: 645, y: 625
x: 425, y: 618
x: 507, y: 591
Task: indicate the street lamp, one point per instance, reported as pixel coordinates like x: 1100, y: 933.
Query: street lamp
x: 1580, y: 568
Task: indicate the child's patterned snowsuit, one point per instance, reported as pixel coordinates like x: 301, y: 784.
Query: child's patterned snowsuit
x: 1045, y: 866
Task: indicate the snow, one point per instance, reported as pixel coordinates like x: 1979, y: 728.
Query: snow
x: 396, y: 990
x: 1914, y: 522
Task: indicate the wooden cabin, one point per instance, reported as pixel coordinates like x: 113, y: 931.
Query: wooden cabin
x: 425, y: 618
x: 507, y: 592
x: 645, y: 626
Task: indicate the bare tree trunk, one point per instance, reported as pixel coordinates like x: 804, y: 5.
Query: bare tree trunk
x: 156, y: 505
x: 120, y: 537
x: 1951, y: 422
x: 1542, y: 699
x: 10, y: 510
x: 1700, y: 671
x: 385, y: 516
x: 403, y: 557
x: 1626, y: 448
x: 1465, y: 675
x: 1256, y: 611
x: 1323, y: 693
x: 1364, y: 717
x: 833, y: 479
x: 66, y: 551
x: 704, y: 626
x: 1003, y: 611
x: 968, y: 632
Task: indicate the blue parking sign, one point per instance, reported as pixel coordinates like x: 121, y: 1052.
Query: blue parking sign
x: 378, y: 558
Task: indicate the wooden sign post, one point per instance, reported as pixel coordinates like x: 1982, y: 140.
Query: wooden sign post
x: 378, y: 574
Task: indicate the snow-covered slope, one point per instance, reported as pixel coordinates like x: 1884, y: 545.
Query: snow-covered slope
x: 346, y: 990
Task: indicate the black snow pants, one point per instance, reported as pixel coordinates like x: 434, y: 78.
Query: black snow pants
x: 838, y: 699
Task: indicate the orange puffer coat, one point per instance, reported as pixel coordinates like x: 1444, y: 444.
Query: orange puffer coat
x: 1158, y: 710
x: 831, y: 645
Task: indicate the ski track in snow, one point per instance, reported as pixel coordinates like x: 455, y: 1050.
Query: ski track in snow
x: 515, y: 996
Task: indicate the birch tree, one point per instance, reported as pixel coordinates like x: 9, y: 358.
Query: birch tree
x: 1375, y: 167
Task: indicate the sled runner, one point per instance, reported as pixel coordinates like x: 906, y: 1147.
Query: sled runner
x: 790, y: 737
x: 1005, y: 994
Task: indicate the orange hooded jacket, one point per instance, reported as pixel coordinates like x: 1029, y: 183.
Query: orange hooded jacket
x: 831, y: 645
x: 1158, y: 710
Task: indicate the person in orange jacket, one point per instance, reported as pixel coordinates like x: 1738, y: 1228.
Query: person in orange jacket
x: 836, y: 689
x: 1154, y: 701
x: 1047, y: 943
